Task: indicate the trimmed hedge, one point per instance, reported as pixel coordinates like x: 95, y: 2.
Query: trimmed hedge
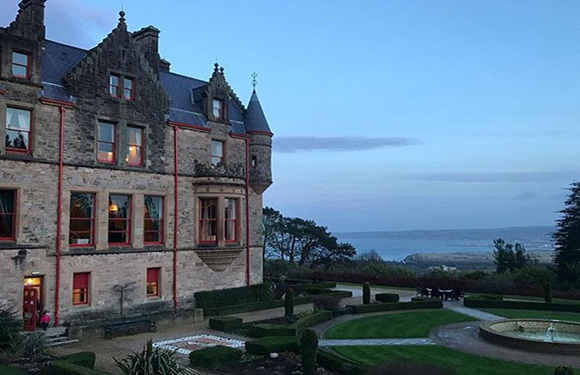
x: 264, y: 305
x: 67, y: 368
x: 335, y: 363
x: 267, y: 330
x: 226, y: 323
x: 267, y: 345
x: 520, y: 305
x: 423, y: 299
x: 490, y: 297
x: 387, y: 297
x: 394, y: 306
x: 233, y: 296
x: 214, y: 357
x: 84, y: 359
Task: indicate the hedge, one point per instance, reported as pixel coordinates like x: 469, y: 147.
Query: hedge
x: 335, y: 363
x: 394, y: 306
x: 214, y: 357
x: 294, y: 329
x: 267, y: 345
x: 423, y: 299
x: 520, y: 305
x: 67, y: 368
x: 264, y: 305
x: 387, y: 297
x: 84, y: 359
x: 226, y: 323
x: 233, y: 296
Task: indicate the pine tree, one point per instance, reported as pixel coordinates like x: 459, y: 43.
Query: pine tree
x: 567, y: 238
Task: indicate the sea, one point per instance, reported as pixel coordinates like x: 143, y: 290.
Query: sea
x: 396, y: 246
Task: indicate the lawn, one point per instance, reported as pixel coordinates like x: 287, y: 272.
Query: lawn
x: 462, y: 363
x: 527, y: 298
x: 398, y: 325
x: 7, y: 370
x: 535, y: 314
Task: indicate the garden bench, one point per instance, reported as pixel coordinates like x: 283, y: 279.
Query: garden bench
x: 129, y: 327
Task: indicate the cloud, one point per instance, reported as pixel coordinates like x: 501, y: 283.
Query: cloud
x: 514, y: 177
x: 526, y: 195
x: 338, y: 144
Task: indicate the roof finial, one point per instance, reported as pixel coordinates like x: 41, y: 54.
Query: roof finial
x: 254, y: 80
x: 216, y: 67
x: 122, y: 16
x: 222, y: 70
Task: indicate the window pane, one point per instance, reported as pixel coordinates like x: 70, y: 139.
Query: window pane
x: 105, y: 152
x: 17, y: 119
x: 134, y: 155
x: 81, y: 223
x: 134, y: 136
x: 19, y: 58
x: 128, y: 83
x: 230, y: 208
x: 118, y: 237
x: 106, y: 131
x: 7, y: 211
x: 217, y: 152
x: 119, y: 215
x: 153, y: 237
x: 208, y: 208
x: 20, y: 71
x: 81, y: 205
x: 153, y: 207
x: 114, y: 81
x: 119, y: 206
x: 17, y: 139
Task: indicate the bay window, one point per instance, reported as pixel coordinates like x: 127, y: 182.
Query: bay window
x: 231, y: 220
x: 208, y: 220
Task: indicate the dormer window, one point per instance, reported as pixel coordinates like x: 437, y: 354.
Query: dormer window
x: 121, y: 87
x: 20, y: 64
x: 218, y: 109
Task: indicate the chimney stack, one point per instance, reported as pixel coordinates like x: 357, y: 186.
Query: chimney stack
x: 147, y: 40
x: 29, y: 22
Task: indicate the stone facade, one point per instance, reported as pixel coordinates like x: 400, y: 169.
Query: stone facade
x: 71, y: 86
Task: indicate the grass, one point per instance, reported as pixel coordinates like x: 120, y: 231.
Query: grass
x: 528, y: 298
x: 462, y: 363
x: 535, y: 314
x: 400, y: 325
x: 7, y: 370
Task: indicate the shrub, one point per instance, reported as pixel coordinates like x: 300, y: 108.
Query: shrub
x: 10, y: 326
x: 84, y: 359
x: 267, y: 330
x: 233, y: 296
x: 267, y: 345
x: 563, y: 370
x: 289, y: 305
x: 215, y: 356
x: 151, y: 361
x: 394, y: 306
x: 311, y: 320
x: 67, y: 368
x: 406, y: 368
x: 366, y: 293
x: 491, y: 297
x: 387, y: 297
x: 423, y: 299
x: 548, y: 293
x: 325, y: 302
x: 309, y: 349
x: 32, y: 346
x: 226, y: 323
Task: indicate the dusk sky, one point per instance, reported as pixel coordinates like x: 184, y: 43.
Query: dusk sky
x: 388, y: 115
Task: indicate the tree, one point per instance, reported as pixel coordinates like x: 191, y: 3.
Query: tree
x: 567, y: 238
x: 309, y: 351
x: 123, y: 290
x: 366, y: 293
x: 508, y: 257
x: 302, y: 242
x: 289, y: 305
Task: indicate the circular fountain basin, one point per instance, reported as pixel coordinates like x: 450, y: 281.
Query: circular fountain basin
x: 551, y: 336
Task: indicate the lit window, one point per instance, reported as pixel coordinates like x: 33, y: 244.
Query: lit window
x: 218, y: 109
x: 115, y: 86
x: 18, y: 129
x: 7, y: 215
x: 82, y: 219
x: 231, y: 219
x: 20, y: 65
x: 153, y: 220
x: 128, y: 88
x: 134, y: 146
x: 254, y: 162
x: 217, y: 152
x: 208, y: 220
x: 119, y: 220
x: 81, y: 288
x: 153, y: 282
x: 106, y: 142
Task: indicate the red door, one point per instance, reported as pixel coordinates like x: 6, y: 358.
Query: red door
x: 30, y: 308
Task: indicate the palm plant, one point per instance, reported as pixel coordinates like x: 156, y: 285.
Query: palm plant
x: 151, y: 361
x: 10, y: 327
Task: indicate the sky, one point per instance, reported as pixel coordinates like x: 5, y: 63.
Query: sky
x: 387, y: 115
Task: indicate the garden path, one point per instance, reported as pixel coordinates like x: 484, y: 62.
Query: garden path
x: 477, y: 314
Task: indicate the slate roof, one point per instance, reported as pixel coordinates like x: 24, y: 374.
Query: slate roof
x: 60, y: 58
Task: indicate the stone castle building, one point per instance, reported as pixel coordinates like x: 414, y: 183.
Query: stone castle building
x: 118, y: 173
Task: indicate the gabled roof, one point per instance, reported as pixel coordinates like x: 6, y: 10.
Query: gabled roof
x: 254, y: 118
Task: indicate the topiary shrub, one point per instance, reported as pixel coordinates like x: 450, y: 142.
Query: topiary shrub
x: 226, y: 323
x: 151, y: 361
x: 406, y: 368
x: 387, y: 297
x: 325, y: 302
x: 214, y: 357
x: 289, y: 305
x: 548, y: 293
x: 267, y: 345
x: 366, y: 293
x: 10, y: 327
x: 309, y: 349
x: 233, y: 296
x: 563, y: 370
x: 84, y: 359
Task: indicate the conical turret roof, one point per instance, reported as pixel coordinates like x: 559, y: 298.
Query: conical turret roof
x: 254, y: 118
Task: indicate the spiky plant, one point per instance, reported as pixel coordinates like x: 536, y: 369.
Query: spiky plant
x: 10, y: 326
x: 33, y: 346
x: 150, y: 361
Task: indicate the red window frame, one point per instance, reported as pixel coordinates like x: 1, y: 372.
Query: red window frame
x: 99, y: 141
x: 161, y: 220
x: 115, y: 90
x: 138, y: 147
x: 27, y: 66
x: 235, y: 219
x: 12, y: 238
x: 91, y: 219
x: 131, y: 89
x: 153, y: 281
x: 220, y: 109
x: 28, y: 150
x: 222, y: 157
x: 209, y: 220
x: 81, y: 283
x: 127, y: 219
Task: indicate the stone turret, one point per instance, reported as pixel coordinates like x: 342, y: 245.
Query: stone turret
x: 260, y: 145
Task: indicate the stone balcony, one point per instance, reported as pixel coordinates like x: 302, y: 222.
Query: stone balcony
x: 227, y: 170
